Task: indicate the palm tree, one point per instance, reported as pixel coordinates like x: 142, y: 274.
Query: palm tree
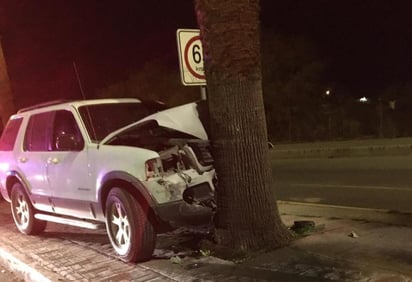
x: 247, y: 215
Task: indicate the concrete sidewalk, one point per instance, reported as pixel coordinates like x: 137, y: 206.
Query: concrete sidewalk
x: 346, y: 245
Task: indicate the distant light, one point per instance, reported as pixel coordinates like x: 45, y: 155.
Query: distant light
x: 327, y: 92
x: 363, y: 99
x: 392, y: 104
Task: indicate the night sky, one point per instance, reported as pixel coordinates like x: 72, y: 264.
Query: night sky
x: 367, y: 43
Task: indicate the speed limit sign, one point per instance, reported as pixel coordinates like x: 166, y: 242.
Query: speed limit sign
x: 190, y: 57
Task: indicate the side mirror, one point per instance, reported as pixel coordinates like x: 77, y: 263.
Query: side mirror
x: 67, y: 142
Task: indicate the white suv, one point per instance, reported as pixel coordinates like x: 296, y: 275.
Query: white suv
x: 120, y: 162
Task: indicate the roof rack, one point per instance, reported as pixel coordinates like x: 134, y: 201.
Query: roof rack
x: 45, y: 104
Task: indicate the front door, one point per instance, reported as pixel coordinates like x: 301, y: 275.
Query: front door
x: 67, y: 168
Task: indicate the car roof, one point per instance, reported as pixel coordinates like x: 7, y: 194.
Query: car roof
x: 57, y: 104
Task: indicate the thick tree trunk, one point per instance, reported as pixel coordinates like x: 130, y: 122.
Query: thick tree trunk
x: 247, y: 214
x: 7, y: 107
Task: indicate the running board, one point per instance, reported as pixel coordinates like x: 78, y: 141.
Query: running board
x: 68, y: 221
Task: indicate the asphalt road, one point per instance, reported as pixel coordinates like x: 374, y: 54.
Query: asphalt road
x: 367, y: 182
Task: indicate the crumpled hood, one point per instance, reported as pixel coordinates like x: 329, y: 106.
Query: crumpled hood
x: 184, y: 118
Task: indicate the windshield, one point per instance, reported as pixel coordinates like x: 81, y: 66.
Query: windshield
x: 102, y: 119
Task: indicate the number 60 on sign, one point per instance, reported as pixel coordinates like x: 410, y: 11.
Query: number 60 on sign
x: 190, y: 57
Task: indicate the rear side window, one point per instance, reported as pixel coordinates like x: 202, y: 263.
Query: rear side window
x: 8, y: 138
x: 38, y: 132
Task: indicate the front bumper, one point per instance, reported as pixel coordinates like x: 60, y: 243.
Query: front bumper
x: 197, y: 208
x: 180, y: 213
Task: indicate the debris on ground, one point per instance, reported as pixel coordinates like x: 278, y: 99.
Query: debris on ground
x: 176, y: 260
x: 303, y: 227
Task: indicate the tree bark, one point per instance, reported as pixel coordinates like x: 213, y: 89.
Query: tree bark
x: 247, y: 215
x: 7, y: 107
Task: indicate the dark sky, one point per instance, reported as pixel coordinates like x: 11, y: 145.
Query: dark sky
x: 366, y: 43
x: 107, y: 41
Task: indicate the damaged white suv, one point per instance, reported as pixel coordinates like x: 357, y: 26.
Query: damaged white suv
x: 120, y: 162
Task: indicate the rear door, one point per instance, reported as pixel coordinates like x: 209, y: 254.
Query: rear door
x: 32, y: 159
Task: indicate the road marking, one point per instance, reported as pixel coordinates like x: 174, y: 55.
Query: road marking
x: 408, y: 189
x: 331, y: 206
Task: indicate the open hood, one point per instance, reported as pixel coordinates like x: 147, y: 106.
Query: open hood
x: 184, y: 118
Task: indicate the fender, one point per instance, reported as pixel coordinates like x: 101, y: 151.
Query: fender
x: 17, y: 175
x: 39, y: 202
x: 121, y: 175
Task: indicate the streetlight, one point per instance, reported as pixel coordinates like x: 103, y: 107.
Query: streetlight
x: 363, y: 99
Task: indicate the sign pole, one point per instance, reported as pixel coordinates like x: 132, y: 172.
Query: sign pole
x: 203, y: 95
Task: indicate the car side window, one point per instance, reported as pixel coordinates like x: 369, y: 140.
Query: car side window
x: 37, y: 137
x: 8, y: 138
x: 66, y: 133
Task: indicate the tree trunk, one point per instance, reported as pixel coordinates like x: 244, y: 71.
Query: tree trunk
x: 6, y: 97
x: 247, y: 215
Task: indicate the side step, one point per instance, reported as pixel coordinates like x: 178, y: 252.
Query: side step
x: 69, y: 221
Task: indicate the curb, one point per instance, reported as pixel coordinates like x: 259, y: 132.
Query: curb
x: 343, y: 148
x: 24, y: 270
x: 345, y: 212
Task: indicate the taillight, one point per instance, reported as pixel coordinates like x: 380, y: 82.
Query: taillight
x: 153, y: 168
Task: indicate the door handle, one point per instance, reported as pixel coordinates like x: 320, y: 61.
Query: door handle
x: 52, y: 160
x: 23, y: 159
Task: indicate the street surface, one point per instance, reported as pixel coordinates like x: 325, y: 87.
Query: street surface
x: 7, y: 275
x: 367, y: 182
x: 65, y: 253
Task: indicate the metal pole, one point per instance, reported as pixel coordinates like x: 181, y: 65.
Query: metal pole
x: 380, y: 118
x: 203, y: 93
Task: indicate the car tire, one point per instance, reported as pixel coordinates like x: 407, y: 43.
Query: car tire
x: 130, y: 231
x: 23, y: 212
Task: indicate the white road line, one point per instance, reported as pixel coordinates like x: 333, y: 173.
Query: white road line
x: 405, y: 189
x: 331, y: 206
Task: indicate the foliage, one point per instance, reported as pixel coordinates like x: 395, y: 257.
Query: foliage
x: 293, y: 88
x: 397, y: 105
x: 296, y: 106
x: 154, y: 81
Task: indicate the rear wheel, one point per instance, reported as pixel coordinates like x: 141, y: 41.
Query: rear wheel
x: 130, y: 232
x: 23, y: 212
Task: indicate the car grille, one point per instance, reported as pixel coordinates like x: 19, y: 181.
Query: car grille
x: 202, y: 151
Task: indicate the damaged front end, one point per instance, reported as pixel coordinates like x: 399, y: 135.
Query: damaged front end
x: 183, y: 182
x: 182, y: 178
x: 181, y: 169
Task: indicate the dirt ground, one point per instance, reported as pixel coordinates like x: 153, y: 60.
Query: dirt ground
x: 7, y: 275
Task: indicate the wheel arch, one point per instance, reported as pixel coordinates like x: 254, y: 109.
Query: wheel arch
x: 13, y: 178
x: 133, y: 186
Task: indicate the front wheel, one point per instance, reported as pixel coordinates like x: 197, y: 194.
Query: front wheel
x: 23, y: 212
x: 130, y: 232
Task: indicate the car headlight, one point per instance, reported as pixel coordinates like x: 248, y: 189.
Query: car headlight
x: 153, y: 168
